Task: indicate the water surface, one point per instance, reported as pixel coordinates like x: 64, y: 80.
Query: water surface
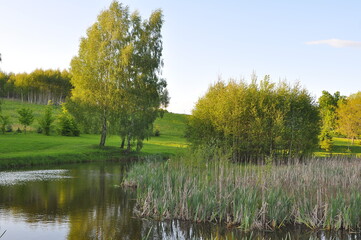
x: 86, y: 201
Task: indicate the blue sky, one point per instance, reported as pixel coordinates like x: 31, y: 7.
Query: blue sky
x: 317, y: 43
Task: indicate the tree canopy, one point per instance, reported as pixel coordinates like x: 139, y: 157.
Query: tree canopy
x: 253, y: 121
x: 328, y: 105
x: 26, y: 117
x: 349, y: 116
x: 117, y: 71
x: 39, y: 86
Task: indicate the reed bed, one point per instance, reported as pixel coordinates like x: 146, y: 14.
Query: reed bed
x: 319, y: 193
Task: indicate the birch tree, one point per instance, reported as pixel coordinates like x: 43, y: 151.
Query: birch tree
x: 117, y: 70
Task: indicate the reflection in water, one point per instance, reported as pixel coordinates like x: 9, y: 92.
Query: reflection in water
x: 86, y: 202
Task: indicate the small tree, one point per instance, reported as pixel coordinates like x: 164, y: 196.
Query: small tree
x: 47, y: 119
x: 67, y: 124
x: 4, y: 122
x: 26, y: 117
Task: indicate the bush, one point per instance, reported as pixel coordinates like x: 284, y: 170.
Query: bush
x: 156, y: 133
x: 39, y: 130
x: 26, y: 117
x: 4, y: 121
x: 255, y: 121
x: 67, y: 124
x: 47, y: 119
x: 9, y: 128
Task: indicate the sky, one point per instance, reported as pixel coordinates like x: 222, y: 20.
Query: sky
x: 316, y: 43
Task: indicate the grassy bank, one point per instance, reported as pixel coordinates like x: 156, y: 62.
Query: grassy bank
x: 34, y: 149
x: 320, y: 194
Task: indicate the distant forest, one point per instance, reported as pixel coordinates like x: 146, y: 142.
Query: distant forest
x: 39, y: 86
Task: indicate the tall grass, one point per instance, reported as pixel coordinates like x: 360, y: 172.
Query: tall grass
x: 320, y: 194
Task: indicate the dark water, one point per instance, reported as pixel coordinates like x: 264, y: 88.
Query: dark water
x: 86, y: 202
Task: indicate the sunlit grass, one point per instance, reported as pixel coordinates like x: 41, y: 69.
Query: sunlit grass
x: 32, y: 148
x: 342, y: 147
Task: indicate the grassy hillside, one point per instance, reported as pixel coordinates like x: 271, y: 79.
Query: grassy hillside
x: 33, y: 148
x: 10, y: 108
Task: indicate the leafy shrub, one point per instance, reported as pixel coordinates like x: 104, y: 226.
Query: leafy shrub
x: 254, y: 120
x: 4, y: 121
x: 39, y: 130
x: 9, y: 128
x: 156, y: 133
x: 26, y: 117
x: 67, y: 124
x: 47, y: 119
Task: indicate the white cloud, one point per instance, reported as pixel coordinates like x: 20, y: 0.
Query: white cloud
x: 338, y: 43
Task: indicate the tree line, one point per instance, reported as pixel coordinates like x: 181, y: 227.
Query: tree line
x: 39, y: 86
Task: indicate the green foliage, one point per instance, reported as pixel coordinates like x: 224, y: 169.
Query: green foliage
x: 47, y: 119
x: 156, y: 133
x: 349, y: 116
x: 4, y: 122
x: 117, y: 73
x: 9, y: 128
x: 9, y: 109
x: 328, y: 105
x: 26, y: 117
x: 84, y: 114
x: 67, y: 124
x: 325, y: 139
x: 39, y: 86
x: 252, y: 121
x: 18, y: 130
x: 31, y: 149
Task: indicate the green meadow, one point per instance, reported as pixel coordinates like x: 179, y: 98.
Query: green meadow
x: 32, y: 148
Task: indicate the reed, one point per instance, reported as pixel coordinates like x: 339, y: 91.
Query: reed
x: 319, y: 193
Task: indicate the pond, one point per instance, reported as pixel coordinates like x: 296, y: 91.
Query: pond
x: 86, y: 201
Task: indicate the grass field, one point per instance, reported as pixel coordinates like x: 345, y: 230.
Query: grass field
x: 33, y: 148
x: 10, y: 108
